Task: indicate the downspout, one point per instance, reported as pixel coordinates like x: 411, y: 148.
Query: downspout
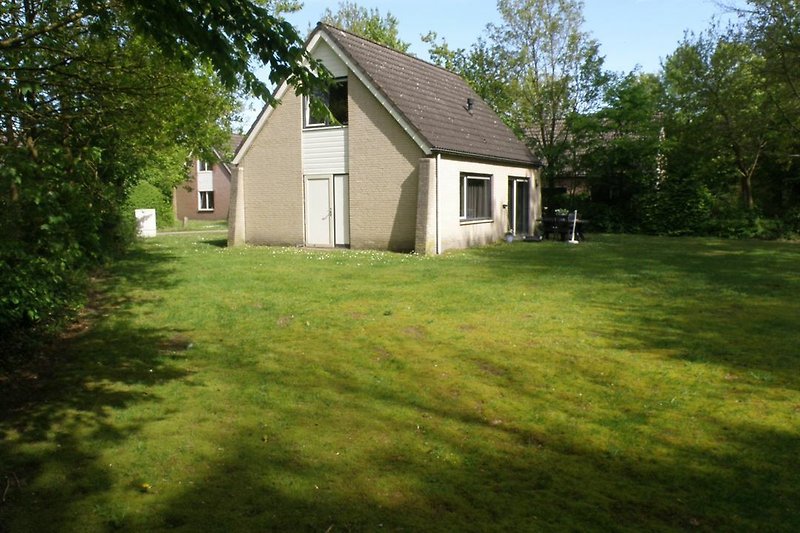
x: 438, y: 242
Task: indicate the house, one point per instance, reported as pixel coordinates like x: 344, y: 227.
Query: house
x: 205, y: 195
x: 417, y: 161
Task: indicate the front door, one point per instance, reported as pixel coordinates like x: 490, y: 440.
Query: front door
x: 519, y: 205
x: 327, y: 211
x: 319, y: 211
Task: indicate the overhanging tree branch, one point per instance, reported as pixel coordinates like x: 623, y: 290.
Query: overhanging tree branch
x: 20, y: 40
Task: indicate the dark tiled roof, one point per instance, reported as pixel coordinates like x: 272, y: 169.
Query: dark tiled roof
x: 433, y: 101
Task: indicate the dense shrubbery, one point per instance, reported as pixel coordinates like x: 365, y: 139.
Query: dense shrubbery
x: 99, y: 96
x: 78, y: 142
x: 147, y: 196
x: 706, y: 146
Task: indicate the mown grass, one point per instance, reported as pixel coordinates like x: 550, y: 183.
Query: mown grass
x: 627, y: 384
x: 196, y: 225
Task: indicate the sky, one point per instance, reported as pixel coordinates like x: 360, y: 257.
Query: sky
x: 631, y: 33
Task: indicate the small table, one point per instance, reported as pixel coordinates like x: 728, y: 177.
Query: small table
x: 561, y: 225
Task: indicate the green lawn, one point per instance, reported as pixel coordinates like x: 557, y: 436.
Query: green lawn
x: 196, y: 225
x: 626, y: 383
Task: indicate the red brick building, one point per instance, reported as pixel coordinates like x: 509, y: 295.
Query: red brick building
x: 205, y: 195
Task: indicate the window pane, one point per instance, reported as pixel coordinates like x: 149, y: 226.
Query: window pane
x: 205, y: 181
x: 206, y: 201
x: 335, y: 98
x: 476, y: 198
x: 317, y: 117
x: 338, y: 101
x: 462, y: 198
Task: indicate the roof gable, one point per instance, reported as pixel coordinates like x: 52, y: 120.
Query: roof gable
x: 431, y: 100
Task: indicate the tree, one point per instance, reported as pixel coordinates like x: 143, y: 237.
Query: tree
x: 715, y: 86
x: 618, y: 148
x: 773, y: 30
x: 552, y: 68
x: 367, y: 23
x: 97, y: 94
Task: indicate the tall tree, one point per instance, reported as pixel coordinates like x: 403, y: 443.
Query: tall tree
x: 617, y: 149
x: 714, y: 82
x: 368, y: 23
x: 773, y: 29
x: 93, y: 95
x: 552, y: 67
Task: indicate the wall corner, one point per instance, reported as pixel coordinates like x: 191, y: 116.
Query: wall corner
x: 236, y: 222
x: 425, y: 239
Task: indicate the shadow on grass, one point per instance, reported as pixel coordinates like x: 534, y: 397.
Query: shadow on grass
x: 507, y: 476
x: 219, y: 243
x: 57, y: 406
x: 457, y: 468
x: 725, y: 302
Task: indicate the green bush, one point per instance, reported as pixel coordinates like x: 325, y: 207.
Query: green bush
x: 147, y: 196
x: 680, y: 207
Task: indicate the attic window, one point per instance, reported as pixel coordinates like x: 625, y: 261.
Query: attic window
x: 335, y: 99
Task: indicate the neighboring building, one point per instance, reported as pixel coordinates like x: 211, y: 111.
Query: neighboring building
x: 418, y: 161
x: 206, y: 194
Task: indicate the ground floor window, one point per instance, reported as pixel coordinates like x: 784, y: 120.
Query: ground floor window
x: 206, y: 200
x: 476, y: 197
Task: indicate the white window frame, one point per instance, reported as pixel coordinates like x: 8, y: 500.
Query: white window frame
x: 205, y: 186
x: 463, y: 200
x: 325, y: 124
x: 208, y: 194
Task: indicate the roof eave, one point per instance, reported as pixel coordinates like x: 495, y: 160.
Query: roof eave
x: 533, y: 162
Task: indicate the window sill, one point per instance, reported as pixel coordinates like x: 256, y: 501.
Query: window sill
x: 469, y: 222
x: 205, y: 210
x: 324, y: 127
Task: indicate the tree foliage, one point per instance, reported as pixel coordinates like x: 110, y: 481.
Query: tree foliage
x: 773, y: 29
x: 707, y: 146
x: 715, y: 82
x: 537, y: 69
x: 617, y: 149
x: 554, y: 70
x: 97, y: 95
x: 368, y: 23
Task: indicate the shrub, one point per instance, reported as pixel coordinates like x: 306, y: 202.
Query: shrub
x: 147, y: 196
x: 680, y: 207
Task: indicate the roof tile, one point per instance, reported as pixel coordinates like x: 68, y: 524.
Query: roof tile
x: 433, y: 101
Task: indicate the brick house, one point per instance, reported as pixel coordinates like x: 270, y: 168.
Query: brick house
x: 417, y: 162
x: 205, y: 195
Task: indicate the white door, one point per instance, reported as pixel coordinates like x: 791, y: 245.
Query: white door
x: 319, y: 211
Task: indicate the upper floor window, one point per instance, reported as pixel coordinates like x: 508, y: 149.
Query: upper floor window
x: 336, y: 100
x: 203, y: 166
x: 205, y: 188
x: 476, y: 197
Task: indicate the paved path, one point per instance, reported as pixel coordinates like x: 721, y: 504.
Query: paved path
x: 193, y: 232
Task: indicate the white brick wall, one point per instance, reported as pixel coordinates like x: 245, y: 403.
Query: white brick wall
x: 455, y: 234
